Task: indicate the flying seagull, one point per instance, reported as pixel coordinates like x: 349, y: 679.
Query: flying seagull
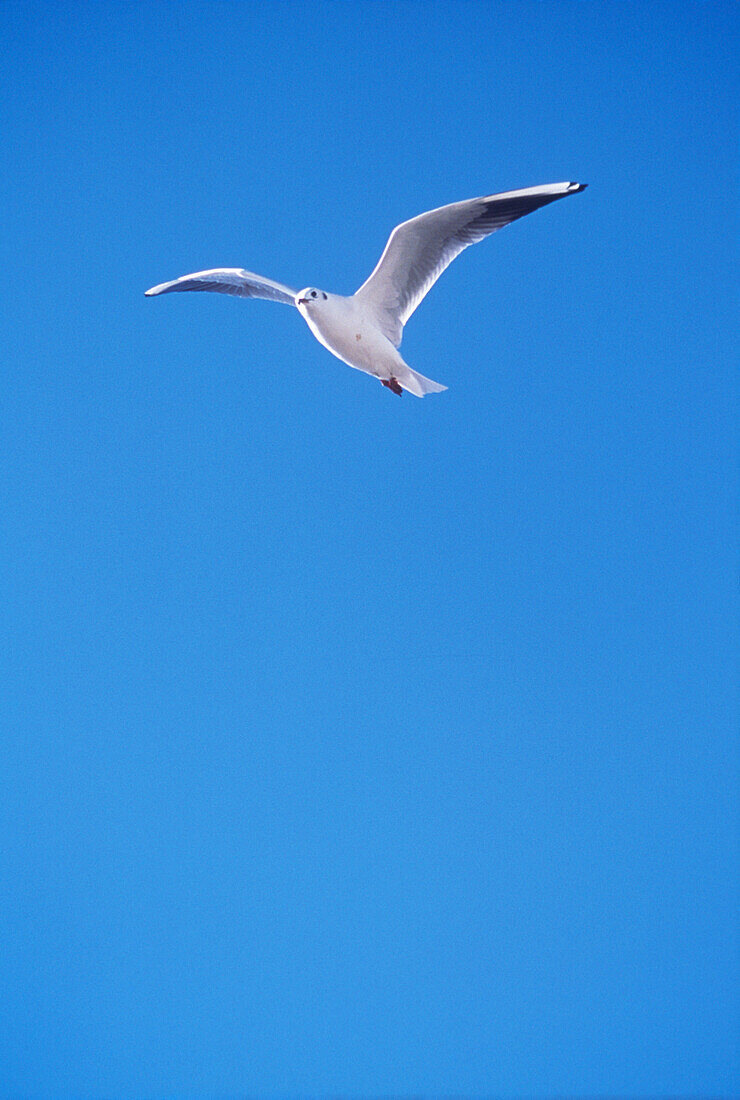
x: 365, y: 329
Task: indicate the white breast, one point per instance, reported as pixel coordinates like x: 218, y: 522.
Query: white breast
x: 344, y: 327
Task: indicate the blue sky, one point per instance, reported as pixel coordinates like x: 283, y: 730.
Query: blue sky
x: 354, y: 745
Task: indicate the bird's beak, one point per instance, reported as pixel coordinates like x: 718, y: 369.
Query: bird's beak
x: 302, y: 302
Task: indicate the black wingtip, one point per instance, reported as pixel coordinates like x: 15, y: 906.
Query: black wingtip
x: 575, y: 187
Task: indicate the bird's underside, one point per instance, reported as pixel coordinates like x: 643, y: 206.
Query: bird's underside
x: 365, y: 329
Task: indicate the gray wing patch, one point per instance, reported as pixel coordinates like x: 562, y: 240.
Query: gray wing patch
x: 419, y: 250
x: 229, y: 280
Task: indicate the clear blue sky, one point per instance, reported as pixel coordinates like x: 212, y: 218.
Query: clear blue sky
x: 355, y: 745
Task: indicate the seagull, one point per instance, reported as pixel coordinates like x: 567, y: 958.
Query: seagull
x: 365, y: 329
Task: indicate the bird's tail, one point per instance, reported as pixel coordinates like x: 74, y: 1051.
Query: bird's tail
x: 416, y: 383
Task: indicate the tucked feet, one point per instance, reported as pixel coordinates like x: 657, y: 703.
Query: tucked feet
x: 392, y: 384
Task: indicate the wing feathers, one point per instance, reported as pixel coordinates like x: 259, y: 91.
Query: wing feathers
x: 230, y: 280
x: 419, y: 250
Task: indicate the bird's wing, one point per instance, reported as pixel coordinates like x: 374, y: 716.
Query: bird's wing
x: 419, y: 250
x: 230, y: 280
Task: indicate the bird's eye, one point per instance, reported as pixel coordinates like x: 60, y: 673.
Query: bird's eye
x: 313, y: 293
x: 323, y: 295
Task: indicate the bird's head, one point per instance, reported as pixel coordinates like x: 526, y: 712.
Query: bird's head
x: 310, y: 297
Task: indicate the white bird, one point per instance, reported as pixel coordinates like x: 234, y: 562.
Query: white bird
x: 365, y: 329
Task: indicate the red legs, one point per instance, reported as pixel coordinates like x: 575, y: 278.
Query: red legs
x: 392, y: 384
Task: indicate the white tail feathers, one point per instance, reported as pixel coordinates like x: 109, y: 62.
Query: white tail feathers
x: 416, y: 383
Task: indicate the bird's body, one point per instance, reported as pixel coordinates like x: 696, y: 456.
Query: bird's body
x: 346, y: 328
x: 365, y: 329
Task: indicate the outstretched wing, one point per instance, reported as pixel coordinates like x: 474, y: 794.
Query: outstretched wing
x: 419, y: 250
x: 230, y: 280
